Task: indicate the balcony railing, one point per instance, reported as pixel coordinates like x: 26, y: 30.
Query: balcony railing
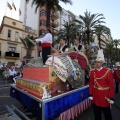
x: 12, y: 55
x: 54, y: 32
x: 29, y: 29
x: 55, y: 24
x: 55, y: 15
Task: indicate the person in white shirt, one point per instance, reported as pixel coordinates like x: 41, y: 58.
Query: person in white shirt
x: 12, y: 72
x: 1, y: 66
x: 46, y: 43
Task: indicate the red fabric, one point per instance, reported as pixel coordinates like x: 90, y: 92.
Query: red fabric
x: 106, y: 81
x: 46, y: 45
x: 117, y: 75
x: 81, y: 59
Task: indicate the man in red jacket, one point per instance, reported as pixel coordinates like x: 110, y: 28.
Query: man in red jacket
x: 117, y: 76
x: 101, y: 89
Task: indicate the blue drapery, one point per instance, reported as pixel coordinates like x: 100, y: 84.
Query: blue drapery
x: 53, y: 108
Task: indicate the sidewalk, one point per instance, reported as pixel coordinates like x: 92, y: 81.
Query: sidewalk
x: 3, y: 82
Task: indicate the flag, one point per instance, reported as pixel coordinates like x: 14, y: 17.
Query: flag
x: 14, y: 6
x: 10, y: 7
x: 20, y: 12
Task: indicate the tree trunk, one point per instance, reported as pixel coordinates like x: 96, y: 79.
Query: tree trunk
x: 48, y: 9
x: 99, y: 41
x: 28, y: 54
x: 88, y: 39
x: 68, y: 41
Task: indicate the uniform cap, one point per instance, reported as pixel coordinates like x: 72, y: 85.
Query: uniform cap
x: 100, y: 56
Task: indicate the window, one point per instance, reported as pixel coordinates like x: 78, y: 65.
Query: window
x: 9, y: 34
x: 63, y: 21
x: 11, y: 49
x: 23, y: 36
x: 64, y: 14
x: 43, y: 22
x: 71, y: 19
x: 16, y: 36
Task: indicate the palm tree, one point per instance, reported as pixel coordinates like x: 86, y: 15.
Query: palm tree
x: 68, y: 31
x: 102, y: 32
x: 29, y: 45
x: 89, y: 21
x: 51, y: 5
x: 109, y: 52
x: 116, y: 43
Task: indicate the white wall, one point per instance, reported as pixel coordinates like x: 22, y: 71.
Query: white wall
x: 32, y: 18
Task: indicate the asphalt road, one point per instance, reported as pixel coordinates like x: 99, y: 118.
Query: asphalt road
x: 5, y: 99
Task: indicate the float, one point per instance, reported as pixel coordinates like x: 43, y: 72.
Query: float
x: 56, y: 89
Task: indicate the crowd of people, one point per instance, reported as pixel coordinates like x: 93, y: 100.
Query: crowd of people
x: 10, y: 72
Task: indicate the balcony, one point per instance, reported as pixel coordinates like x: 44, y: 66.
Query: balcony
x: 29, y: 29
x: 12, y: 55
x: 102, y: 40
x: 54, y: 16
x: 55, y: 24
x: 54, y: 32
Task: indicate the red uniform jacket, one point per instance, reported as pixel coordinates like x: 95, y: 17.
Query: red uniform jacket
x: 101, y: 86
x: 117, y: 75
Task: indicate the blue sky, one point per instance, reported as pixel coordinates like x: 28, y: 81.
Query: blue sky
x: 109, y: 8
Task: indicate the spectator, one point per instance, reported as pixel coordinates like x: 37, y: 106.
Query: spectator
x: 6, y: 74
x: 117, y: 76
x: 12, y: 73
x: 18, y: 75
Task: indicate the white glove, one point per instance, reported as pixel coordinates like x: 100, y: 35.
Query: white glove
x: 91, y: 98
x: 111, y: 102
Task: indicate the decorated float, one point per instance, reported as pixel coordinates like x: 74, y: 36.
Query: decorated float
x: 56, y: 89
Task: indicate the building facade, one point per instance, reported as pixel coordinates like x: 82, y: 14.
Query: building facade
x: 11, y: 47
x: 103, y: 41
x: 28, y: 15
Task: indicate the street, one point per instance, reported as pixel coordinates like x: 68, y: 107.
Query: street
x: 6, y: 100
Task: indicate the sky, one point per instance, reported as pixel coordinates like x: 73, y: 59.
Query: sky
x: 4, y: 10
x: 109, y: 8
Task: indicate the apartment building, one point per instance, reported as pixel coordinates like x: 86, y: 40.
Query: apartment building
x: 28, y: 15
x: 103, y: 41
x: 37, y: 20
x: 11, y: 48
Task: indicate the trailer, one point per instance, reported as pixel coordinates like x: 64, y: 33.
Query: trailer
x: 66, y: 105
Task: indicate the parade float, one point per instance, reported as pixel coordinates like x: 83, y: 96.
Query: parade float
x: 56, y: 89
